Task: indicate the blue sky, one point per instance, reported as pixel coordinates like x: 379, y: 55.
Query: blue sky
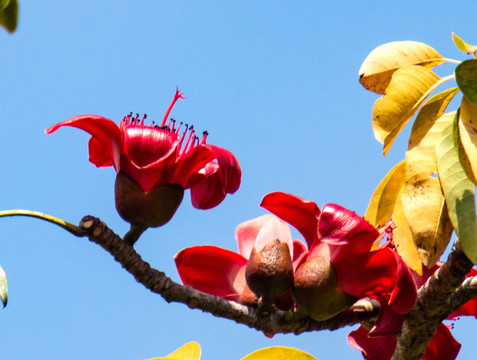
x: 274, y: 82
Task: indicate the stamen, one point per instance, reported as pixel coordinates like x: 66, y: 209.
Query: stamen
x: 204, y: 137
x: 191, y: 136
x: 144, y: 118
x: 178, y: 95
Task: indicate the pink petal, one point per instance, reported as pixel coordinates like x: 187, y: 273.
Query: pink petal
x: 299, y: 253
x: 372, y: 348
x: 442, y: 346
x: 246, y: 233
x: 104, y: 130
x: 212, y: 270
x: 340, y: 226
x: 274, y: 229
x: 298, y: 212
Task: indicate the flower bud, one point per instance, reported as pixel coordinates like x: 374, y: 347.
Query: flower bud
x: 269, y: 272
x: 151, y: 209
x: 315, y: 289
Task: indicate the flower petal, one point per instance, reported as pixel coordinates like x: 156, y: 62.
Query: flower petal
x: 367, y: 274
x: 97, y: 153
x: 372, y: 348
x: 146, y: 146
x: 104, y: 130
x: 274, y: 229
x: 246, y: 233
x: 340, y: 226
x: 187, y: 168
x: 442, y: 346
x: 388, y: 322
x: 229, y: 167
x: 212, y: 270
x: 404, y: 293
x: 298, y: 212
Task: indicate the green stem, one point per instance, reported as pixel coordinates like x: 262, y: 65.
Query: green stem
x: 73, y: 229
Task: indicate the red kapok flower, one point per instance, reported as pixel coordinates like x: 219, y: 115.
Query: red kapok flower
x: 155, y: 163
x: 341, y: 265
x: 222, y: 272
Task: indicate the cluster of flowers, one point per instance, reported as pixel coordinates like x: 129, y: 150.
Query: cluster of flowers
x: 341, y: 260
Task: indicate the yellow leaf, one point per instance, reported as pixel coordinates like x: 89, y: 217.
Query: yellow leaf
x: 468, y: 138
x: 402, y: 238
x: 422, y: 198
x: 378, y: 68
x: 279, y: 353
x: 409, y: 87
x: 189, y: 351
x: 382, y: 202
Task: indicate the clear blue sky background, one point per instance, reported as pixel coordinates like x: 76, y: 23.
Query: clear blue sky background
x: 275, y: 82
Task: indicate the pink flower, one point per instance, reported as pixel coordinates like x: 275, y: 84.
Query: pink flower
x: 222, y: 272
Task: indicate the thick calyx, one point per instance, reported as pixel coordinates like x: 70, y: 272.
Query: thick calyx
x: 148, y: 209
x: 269, y: 272
x: 315, y: 290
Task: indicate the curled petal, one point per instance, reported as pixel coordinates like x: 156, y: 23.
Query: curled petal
x: 230, y: 171
x: 146, y: 146
x: 188, y: 167
x: 246, y: 233
x: 298, y: 212
x: 442, y: 346
x: 372, y: 348
x: 212, y: 270
x: 104, y: 130
x: 340, y: 226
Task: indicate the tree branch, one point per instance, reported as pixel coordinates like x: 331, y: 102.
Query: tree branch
x: 157, y: 282
x: 433, y: 305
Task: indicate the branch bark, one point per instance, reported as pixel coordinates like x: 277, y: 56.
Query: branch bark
x: 433, y: 305
x: 157, y: 282
x: 442, y: 294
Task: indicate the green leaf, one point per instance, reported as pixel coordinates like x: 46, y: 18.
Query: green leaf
x: 279, y: 353
x: 466, y: 78
x: 188, y: 351
x: 382, y: 202
x: 9, y: 16
x: 462, y: 45
x: 458, y: 189
x: 4, y: 4
x: 3, y: 287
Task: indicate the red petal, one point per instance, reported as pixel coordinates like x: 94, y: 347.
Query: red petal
x: 372, y: 348
x: 388, y: 321
x: 146, y: 146
x: 442, y: 346
x: 98, y: 154
x: 212, y: 270
x: 340, y: 226
x: 298, y: 212
x: 246, y: 233
x: 208, y: 192
x: 367, y: 274
x: 231, y: 173
x: 188, y: 166
x: 104, y: 130
x: 404, y: 293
